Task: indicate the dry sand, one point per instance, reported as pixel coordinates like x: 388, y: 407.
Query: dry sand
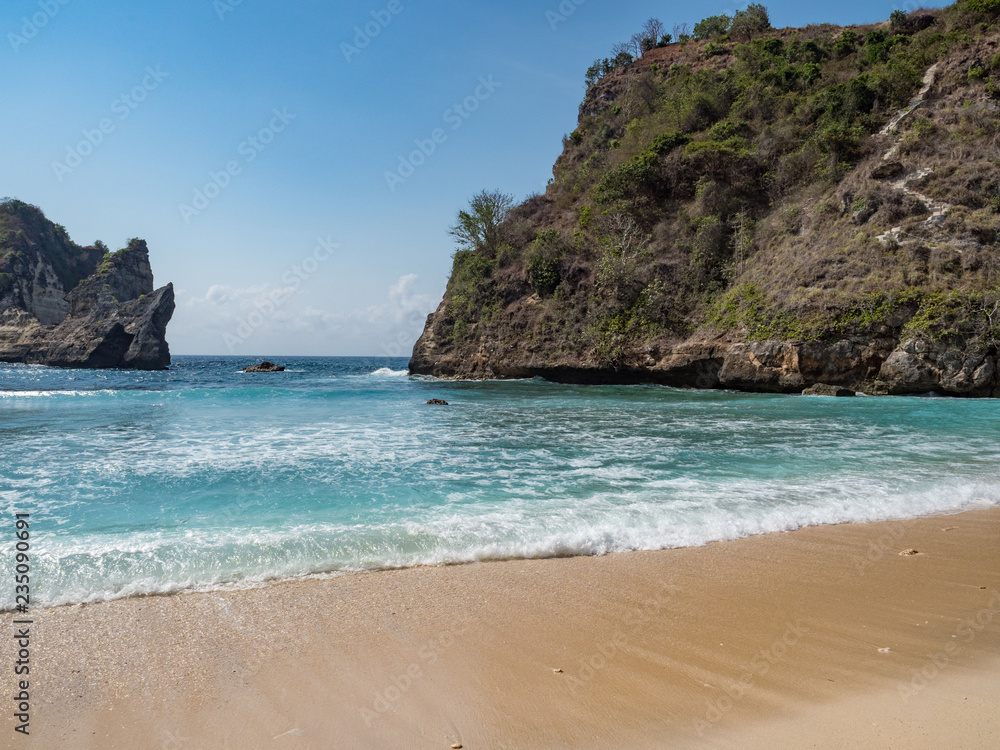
x: 820, y: 638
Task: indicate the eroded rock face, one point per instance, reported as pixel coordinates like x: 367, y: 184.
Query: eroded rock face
x: 920, y: 366
x: 112, y: 319
x: 878, y: 366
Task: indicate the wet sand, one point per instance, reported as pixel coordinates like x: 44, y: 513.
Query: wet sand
x: 820, y: 638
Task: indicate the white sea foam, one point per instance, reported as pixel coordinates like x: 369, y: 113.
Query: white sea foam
x: 51, y: 394
x: 386, y: 372
x: 234, y: 486
x: 93, y: 568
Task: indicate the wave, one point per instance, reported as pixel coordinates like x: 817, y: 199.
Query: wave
x: 90, y: 568
x: 53, y: 393
x: 385, y: 372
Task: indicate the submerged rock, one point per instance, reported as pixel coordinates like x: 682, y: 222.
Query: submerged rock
x: 437, y: 402
x: 822, y: 389
x: 265, y: 367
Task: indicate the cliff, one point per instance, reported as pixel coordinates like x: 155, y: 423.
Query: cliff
x: 817, y: 205
x: 69, y: 306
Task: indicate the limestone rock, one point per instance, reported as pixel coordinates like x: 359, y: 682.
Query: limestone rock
x: 822, y: 389
x: 70, y: 306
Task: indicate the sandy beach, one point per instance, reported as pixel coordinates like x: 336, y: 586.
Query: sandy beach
x: 821, y: 638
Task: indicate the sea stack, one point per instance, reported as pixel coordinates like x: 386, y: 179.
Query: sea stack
x: 64, y: 305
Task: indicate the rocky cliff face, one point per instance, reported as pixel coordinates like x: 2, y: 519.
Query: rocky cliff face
x: 819, y: 205
x: 877, y: 366
x: 68, y: 306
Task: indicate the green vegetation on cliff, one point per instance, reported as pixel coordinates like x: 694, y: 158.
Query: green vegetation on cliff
x: 24, y: 230
x: 746, y: 185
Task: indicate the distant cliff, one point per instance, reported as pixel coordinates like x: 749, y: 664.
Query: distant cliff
x: 69, y: 306
x: 816, y: 205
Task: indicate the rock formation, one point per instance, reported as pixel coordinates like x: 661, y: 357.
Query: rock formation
x: 265, y: 367
x: 64, y: 305
x: 764, y: 216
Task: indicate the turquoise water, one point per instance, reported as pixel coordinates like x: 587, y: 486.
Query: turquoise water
x: 202, y: 476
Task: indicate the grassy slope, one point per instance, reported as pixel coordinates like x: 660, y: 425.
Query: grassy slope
x: 731, y: 193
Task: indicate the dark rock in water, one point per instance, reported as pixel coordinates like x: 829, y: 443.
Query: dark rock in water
x: 821, y: 389
x: 888, y: 171
x: 437, y: 402
x: 265, y: 367
x: 63, y: 305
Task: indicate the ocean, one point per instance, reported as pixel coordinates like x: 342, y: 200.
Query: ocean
x: 203, y: 477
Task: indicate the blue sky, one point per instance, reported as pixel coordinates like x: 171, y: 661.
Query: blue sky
x: 250, y: 147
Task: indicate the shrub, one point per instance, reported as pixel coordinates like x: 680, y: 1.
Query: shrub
x: 639, y: 174
x: 846, y: 43
x: 543, y: 274
x: 712, y: 26
x: 750, y: 22
x: 470, y: 286
x: 543, y: 262
x: 897, y: 20
x: 984, y: 6
x: 727, y: 129
x: 715, y: 48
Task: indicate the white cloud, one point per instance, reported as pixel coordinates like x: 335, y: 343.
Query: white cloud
x: 281, y: 319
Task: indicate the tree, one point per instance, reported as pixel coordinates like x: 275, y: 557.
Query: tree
x: 595, y: 72
x: 637, y: 45
x: 712, y: 27
x: 653, y: 30
x: 480, y: 228
x: 750, y: 22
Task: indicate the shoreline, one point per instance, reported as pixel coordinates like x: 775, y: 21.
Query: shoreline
x: 744, y: 643
x: 279, y: 580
